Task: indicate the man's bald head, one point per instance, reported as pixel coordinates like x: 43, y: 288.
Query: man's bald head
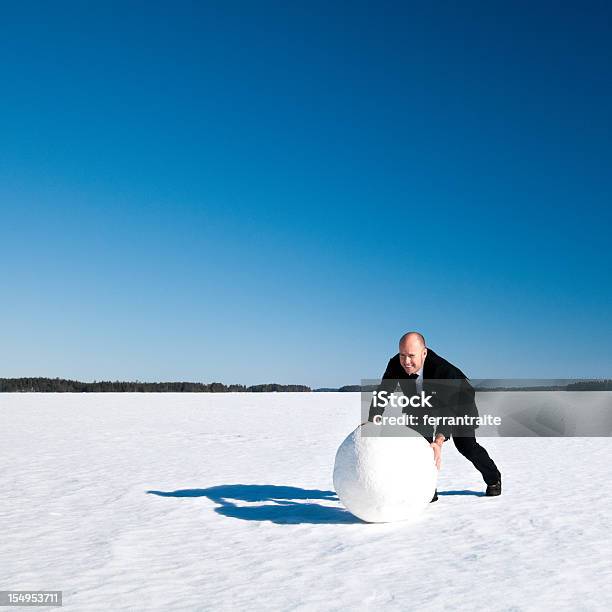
x: 412, y: 352
x: 413, y: 337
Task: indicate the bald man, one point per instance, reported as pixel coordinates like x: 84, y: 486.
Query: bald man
x: 416, y: 368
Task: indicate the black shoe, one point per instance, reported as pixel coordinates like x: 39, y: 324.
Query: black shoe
x: 434, y: 498
x: 494, y: 489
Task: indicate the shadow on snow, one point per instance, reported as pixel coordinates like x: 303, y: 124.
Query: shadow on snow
x: 278, y: 504
x: 463, y: 492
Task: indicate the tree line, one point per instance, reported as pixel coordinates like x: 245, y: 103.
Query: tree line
x: 591, y: 385
x: 60, y: 385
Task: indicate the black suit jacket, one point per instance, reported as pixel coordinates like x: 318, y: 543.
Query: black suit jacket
x: 451, y: 393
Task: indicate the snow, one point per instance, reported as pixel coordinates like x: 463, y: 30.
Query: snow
x: 225, y: 502
x: 383, y: 479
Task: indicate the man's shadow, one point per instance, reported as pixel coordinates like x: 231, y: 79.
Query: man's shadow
x: 463, y: 492
x: 278, y: 504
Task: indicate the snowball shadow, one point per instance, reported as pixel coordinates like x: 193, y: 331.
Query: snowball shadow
x: 283, y: 505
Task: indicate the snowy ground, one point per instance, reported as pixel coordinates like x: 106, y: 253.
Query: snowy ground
x: 225, y: 502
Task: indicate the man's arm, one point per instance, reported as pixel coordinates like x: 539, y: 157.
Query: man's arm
x: 466, y: 406
x: 442, y: 392
x: 456, y: 399
x: 388, y: 384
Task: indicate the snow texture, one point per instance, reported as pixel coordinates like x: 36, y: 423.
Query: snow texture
x: 384, y: 479
x: 225, y: 502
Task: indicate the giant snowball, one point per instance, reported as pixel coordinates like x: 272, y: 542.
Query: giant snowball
x: 383, y: 479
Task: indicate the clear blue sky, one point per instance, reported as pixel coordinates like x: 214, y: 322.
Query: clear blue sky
x: 252, y: 192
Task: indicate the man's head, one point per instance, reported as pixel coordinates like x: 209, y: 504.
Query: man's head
x: 412, y: 352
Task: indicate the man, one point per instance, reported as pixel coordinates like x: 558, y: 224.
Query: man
x: 416, y: 367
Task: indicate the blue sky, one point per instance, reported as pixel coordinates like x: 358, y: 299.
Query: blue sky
x: 274, y: 192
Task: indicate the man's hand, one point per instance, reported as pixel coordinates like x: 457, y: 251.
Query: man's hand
x: 437, y: 449
x: 437, y: 454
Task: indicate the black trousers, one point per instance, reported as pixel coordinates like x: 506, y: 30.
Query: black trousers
x: 466, y: 444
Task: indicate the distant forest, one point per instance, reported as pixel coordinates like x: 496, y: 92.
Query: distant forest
x: 59, y: 385
x: 581, y: 385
